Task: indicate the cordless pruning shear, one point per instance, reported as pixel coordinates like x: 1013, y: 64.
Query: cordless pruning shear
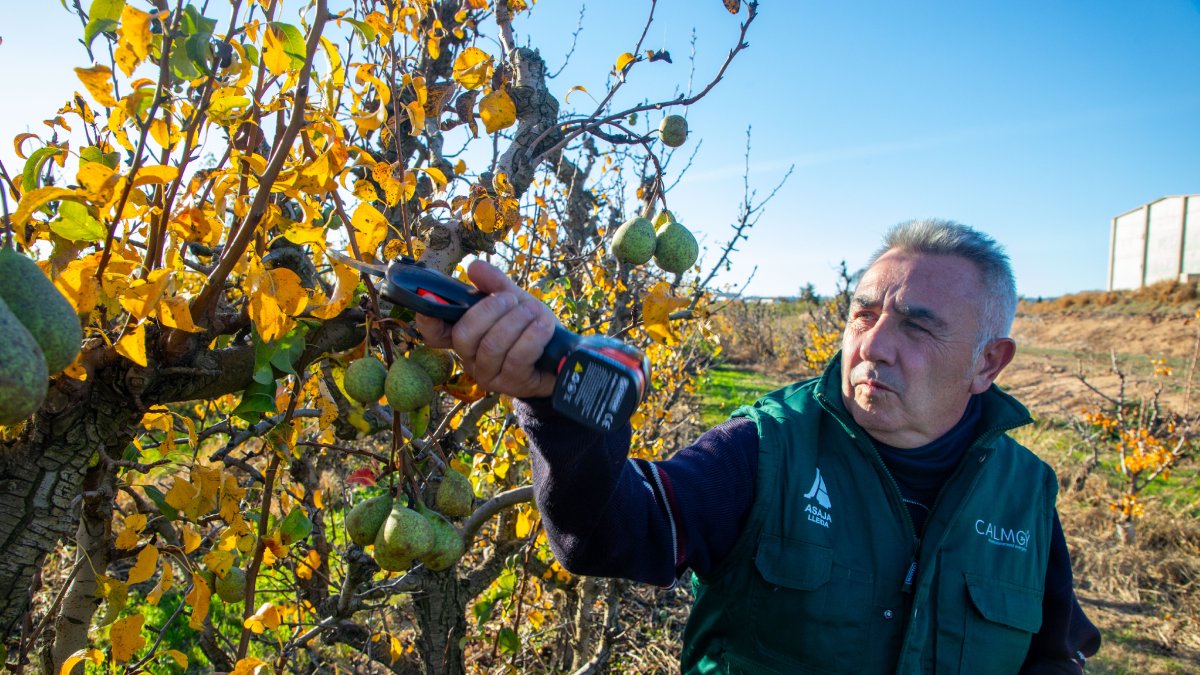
x: 599, y: 381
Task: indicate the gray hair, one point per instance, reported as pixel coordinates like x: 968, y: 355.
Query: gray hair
x: 945, y: 237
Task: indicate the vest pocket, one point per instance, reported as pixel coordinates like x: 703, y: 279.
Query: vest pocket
x: 1000, y: 624
x: 809, y: 609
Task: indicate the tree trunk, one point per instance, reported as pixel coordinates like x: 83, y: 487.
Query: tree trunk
x: 441, y: 609
x: 43, y: 471
x: 92, y: 552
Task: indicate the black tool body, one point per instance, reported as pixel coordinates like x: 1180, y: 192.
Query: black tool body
x: 599, y: 381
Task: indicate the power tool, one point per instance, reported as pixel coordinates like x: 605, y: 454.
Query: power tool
x: 599, y: 381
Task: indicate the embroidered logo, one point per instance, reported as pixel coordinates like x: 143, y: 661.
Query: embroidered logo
x: 1003, y: 536
x: 819, y: 512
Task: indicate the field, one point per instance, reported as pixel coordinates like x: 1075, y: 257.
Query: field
x: 1144, y: 598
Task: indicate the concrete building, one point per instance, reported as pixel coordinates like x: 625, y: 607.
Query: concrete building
x: 1156, y: 241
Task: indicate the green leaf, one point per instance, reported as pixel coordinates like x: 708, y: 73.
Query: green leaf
x: 366, y: 32
x: 33, y: 167
x: 293, y: 42
x: 509, y: 641
x: 75, y: 223
x: 160, y: 500
x: 289, y: 349
x: 94, y: 154
x: 482, y: 611
x: 257, y: 399
x: 103, y: 16
x: 199, y: 51
x: 251, y: 54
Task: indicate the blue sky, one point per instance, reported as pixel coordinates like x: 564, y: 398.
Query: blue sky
x: 1036, y: 122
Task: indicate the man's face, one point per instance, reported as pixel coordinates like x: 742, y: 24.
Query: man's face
x: 907, y: 353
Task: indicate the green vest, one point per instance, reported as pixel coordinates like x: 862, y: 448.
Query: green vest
x: 829, y: 575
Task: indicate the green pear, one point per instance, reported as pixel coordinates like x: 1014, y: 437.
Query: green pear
x: 676, y: 250
x: 408, y: 386
x: 455, y: 497
x: 447, y: 544
x: 232, y: 586
x: 37, y: 304
x: 673, y: 130
x: 365, y: 519
x: 23, y: 374
x: 634, y: 241
x: 405, y: 536
x: 364, y: 379
x: 437, y: 363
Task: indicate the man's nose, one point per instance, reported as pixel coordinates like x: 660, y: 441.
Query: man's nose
x: 879, y: 342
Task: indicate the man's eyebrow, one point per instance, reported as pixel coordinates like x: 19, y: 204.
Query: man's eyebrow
x: 919, y: 313
x: 912, y: 312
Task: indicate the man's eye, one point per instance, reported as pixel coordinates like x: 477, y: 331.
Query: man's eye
x: 912, y: 325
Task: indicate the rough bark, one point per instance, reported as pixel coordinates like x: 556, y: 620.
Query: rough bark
x: 92, y: 555
x: 42, y: 469
x: 441, y: 619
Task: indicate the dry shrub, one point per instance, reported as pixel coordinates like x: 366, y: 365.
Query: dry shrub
x: 1161, y: 574
x: 1163, y: 294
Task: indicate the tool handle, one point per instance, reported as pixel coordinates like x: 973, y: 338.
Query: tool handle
x: 429, y: 292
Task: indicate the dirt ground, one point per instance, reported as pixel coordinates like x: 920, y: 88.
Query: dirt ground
x: 1054, y: 348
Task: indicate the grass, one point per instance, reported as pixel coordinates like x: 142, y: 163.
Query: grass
x: 725, y: 388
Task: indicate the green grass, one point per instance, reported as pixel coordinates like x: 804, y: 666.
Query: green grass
x: 725, y: 388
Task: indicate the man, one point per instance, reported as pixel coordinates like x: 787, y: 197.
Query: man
x: 875, y: 519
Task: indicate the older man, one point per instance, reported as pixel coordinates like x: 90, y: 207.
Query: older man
x: 874, y: 519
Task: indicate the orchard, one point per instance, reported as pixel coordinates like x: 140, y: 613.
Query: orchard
x: 245, y: 459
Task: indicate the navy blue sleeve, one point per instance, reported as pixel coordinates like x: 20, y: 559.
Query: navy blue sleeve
x: 1067, y: 638
x: 606, y: 514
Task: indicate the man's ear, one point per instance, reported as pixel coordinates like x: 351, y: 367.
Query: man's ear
x: 996, y: 355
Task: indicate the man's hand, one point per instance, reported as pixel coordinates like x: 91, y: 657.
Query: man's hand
x: 500, y: 338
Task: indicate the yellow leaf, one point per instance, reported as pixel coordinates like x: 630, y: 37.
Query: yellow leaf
x: 135, y: 31
x: 524, y: 524
x: 198, y: 599
x: 179, y: 657
x: 277, y: 297
x: 128, y: 538
x: 191, y: 538
x: 247, y: 666
x: 133, y: 345
x: 94, y: 655
x: 97, y: 180
x: 98, y: 80
x: 157, y: 174
x: 165, y: 132
x: 126, y: 636
x: 623, y: 61
x: 578, y: 87
x: 166, y: 581
x: 266, y: 618
x: 438, y: 177
x: 78, y: 283
x: 370, y: 228
x: 275, y: 57
x: 146, y: 565
x: 472, y: 68
x: 141, y: 298
x: 485, y: 216
x: 219, y: 562
x: 370, y: 121
x: 364, y: 190
x: 181, y: 494
x: 395, y: 648
x: 497, y: 111
x: 656, y: 312
x: 35, y: 199
x: 133, y: 38
x: 116, y: 592
x: 173, y: 312
x: 343, y: 293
